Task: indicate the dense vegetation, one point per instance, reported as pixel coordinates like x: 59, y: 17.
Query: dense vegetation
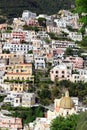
x: 73, y: 122
x: 81, y: 6
x: 61, y: 123
x: 14, y: 8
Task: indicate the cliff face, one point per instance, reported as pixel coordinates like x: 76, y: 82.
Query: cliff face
x: 14, y: 8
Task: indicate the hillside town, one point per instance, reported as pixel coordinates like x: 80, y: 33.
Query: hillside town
x: 37, y: 49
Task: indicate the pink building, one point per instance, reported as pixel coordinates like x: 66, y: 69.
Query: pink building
x: 77, y: 61
x: 61, y: 72
x: 59, y: 52
x: 11, y: 123
x: 32, y: 22
x: 19, y: 35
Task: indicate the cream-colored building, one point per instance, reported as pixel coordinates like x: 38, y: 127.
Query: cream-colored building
x: 62, y: 107
x: 28, y: 99
x: 53, y: 29
x: 19, y: 72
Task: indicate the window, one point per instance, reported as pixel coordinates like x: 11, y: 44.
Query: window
x: 17, y: 70
x: 22, y: 78
x: 15, y: 89
x: 67, y: 113
x: 62, y: 72
x: 56, y: 72
x: 68, y: 67
x: 56, y: 76
x: 75, y: 77
x: 16, y: 101
x: 8, y: 78
x: 62, y: 76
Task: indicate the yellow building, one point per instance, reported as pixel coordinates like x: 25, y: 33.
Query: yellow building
x: 16, y: 59
x: 19, y: 72
x: 18, y: 87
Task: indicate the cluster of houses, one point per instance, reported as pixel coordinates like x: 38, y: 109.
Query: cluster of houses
x: 22, y: 51
x: 10, y: 122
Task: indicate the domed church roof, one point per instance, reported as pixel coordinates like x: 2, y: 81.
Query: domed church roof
x: 66, y: 102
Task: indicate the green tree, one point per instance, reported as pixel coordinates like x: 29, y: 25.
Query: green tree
x: 84, y: 42
x: 69, y: 51
x: 42, y: 21
x: 44, y: 93
x: 61, y: 123
x: 82, y: 122
x: 81, y: 7
x: 30, y: 52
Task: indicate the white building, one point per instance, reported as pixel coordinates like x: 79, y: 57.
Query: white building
x: 82, y: 74
x: 14, y: 98
x: 75, y: 36
x: 60, y: 23
x: 22, y: 48
x: 39, y: 63
x: 76, y: 78
x: 62, y: 44
x: 28, y: 14
x: 28, y: 58
x: 6, y: 36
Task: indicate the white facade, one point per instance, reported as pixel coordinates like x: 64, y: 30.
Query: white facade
x: 60, y: 23
x: 29, y: 58
x: 6, y: 36
x: 39, y: 63
x: 76, y: 78
x: 27, y: 14
x: 22, y: 48
x: 5, y: 86
x: 82, y: 74
x: 75, y: 36
x: 13, y: 98
x: 62, y: 44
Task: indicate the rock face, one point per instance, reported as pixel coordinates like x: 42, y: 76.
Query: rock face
x: 14, y: 8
